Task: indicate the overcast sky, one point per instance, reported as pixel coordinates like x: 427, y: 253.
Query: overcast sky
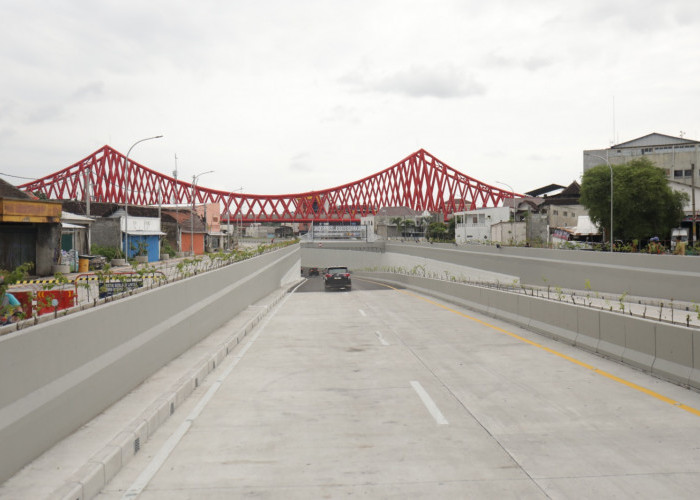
x: 291, y: 96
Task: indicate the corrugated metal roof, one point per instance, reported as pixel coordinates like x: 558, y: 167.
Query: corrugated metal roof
x: 654, y: 139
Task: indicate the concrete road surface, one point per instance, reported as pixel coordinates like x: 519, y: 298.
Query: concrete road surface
x: 382, y: 393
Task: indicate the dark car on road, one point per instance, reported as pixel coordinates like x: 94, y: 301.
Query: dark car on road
x: 337, y: 277
x: 313, y: 271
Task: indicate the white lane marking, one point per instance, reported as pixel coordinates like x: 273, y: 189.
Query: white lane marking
x: 159, y: 458
x: 381, y: 339
x: 429, y: 403
x: 362, y: 312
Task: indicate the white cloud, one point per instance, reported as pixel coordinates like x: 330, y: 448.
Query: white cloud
x: 288, y: 96
x: 443, y: 82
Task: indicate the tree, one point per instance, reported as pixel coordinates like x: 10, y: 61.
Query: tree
x: 643, y: 203
x: 451, y: 226
x: 437, y: 230
x: 403, y: 225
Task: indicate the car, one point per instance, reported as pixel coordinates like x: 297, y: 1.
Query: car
x: 337, y: 277
x: 313, y: 271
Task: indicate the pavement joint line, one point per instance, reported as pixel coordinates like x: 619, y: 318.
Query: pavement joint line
x: 162, y: 455
x: 582, y: 364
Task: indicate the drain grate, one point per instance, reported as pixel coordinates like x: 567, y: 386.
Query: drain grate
x: 137, y: 445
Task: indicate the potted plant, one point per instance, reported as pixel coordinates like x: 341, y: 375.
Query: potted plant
x: 141, y: 249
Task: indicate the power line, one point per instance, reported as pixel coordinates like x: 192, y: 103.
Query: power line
x: 18, y: 176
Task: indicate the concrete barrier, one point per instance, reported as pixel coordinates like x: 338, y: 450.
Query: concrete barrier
x: 612, y: 335
x: 673, y: 276
x: 58, y: 375
x: 588, y: 331
x: 640, y: 343
x: 674, y: 353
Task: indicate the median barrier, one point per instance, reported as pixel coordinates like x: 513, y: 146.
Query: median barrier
x: 640, y: 343
x: 588, y: 329
x: 612, y: 335
x: 500, y: 305
x: 674, y: 353
x: 58, y: 375
x: 694, y: 380
x: 553, y: 319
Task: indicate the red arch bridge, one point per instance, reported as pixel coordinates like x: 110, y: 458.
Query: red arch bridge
x: 419, y: 181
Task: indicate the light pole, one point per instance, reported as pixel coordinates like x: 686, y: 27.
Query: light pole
x: 611, y: 194
x: 512, y: 193
x: 177, y: 211
x: 194, y: 184
x: 126, y: 195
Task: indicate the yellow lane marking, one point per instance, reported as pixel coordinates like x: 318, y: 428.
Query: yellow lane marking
x: 622, y: 381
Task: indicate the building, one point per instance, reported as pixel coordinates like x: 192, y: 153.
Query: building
x: 474, y: 226
x: 563, y: 209
x: 189, y: 227
x: 30, y: 230
x: 110, y: 220
x: 75, y: 238
x: 675, y: 155
x: 384, y: 222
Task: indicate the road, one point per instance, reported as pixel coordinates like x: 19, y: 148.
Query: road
x: 383, y: 393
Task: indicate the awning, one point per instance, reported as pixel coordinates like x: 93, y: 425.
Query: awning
x: 67, y: 225
x: 142, y: 232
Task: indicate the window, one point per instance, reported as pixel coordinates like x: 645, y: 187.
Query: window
x: 688, y: 173
x: 573, y: 214
x: 475, y: 219
x: 555, y: 212
x: 677, y: 173
x: 565, y: 214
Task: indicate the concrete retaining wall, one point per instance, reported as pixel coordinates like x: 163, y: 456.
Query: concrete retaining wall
x: 58, y: 375
x: 669, y: 351
x: 641, y: 275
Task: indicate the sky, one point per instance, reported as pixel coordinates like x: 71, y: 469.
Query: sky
x: 282, y: 97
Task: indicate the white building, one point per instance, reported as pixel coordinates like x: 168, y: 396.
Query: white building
x: 474, y: 226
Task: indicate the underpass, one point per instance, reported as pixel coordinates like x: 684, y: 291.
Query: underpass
x: 381, y: 392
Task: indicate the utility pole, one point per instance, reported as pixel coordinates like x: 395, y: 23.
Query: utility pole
x: 87, y: 205
x: 177, y: 211
x: 692, y: 176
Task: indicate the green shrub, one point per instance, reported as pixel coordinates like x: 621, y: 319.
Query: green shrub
x: 108, y: 252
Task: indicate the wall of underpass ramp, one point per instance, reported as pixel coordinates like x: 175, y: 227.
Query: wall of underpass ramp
x: 56, y: 376
x: 640, y: 275
x: 359, y: 255
x: 669, y: 351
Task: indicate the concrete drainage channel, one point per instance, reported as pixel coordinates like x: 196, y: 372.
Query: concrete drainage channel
x: 99, y: 470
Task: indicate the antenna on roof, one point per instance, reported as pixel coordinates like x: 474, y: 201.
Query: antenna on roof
x: 614, y: 140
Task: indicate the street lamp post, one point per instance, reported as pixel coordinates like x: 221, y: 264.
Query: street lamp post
x: 194, y: 184
x: 126, y: 195
x: 606, y: 160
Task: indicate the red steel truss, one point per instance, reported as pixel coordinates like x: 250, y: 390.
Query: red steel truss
x: 419, y: 181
